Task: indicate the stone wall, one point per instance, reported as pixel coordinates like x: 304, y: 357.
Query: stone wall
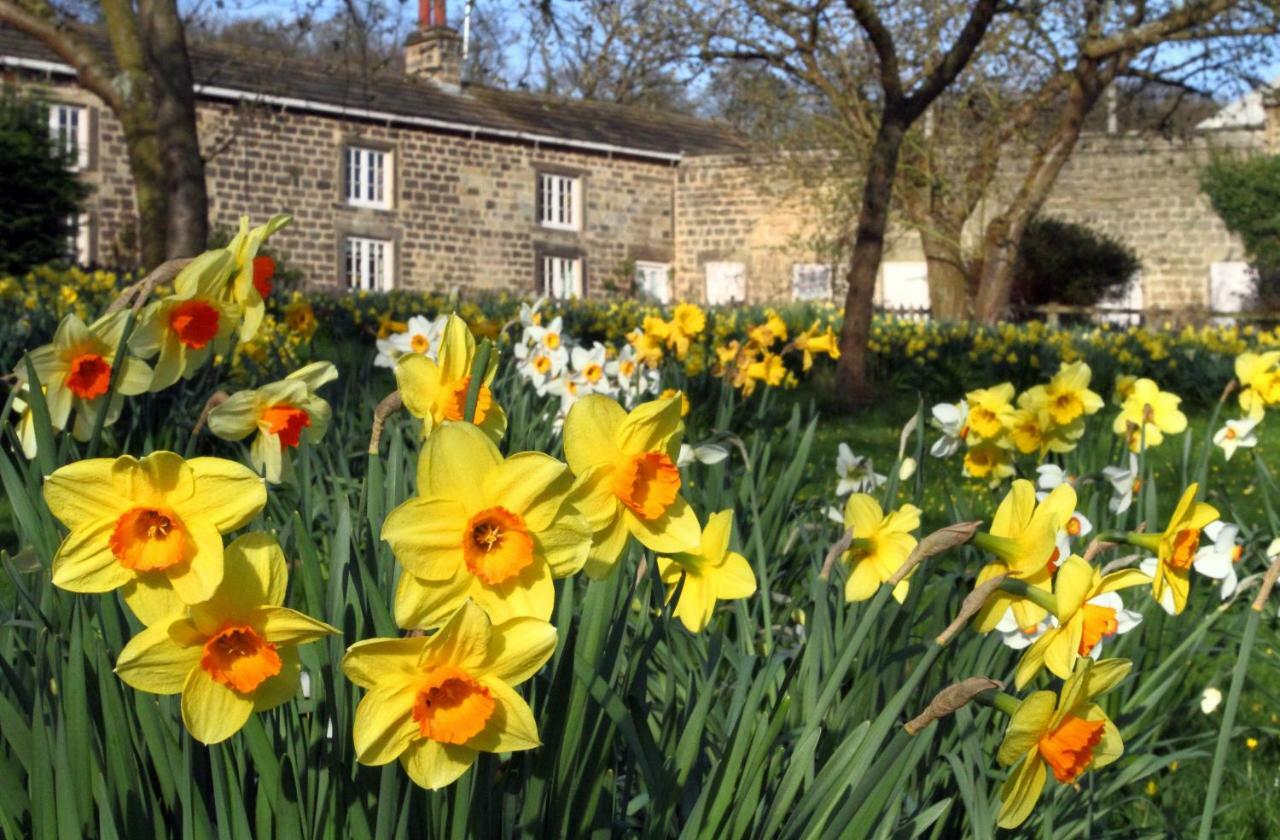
x: 463, y: 213
x: 1143, y: 190
x: 464, y: 209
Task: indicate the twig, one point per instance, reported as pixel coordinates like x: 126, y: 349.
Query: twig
x: 135, y: 294
x: 950, y: 699
x: 972, y: 603
x: 216, y: 399
x: 390, y: 404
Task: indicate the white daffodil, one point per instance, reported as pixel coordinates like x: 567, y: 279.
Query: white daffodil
x: 707, y: 453
x: 539, y: 365
x: 1120, y: 622
x: 423, y: 336
x: 529, y: 315
x: 1015, y: 637
x: 589, y: 364
x: 1237, y: 434
x: 1049, y: 477
x: 1218, y: 559
x: 1124, y: 483
x: 549, y: 337
x: 569, y: 387
x: 951, y: 420
x: 1210, y: 700
x: 855, y: 472
x: 388, y: 352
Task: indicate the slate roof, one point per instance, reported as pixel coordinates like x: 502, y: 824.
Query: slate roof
x: 573, y: 121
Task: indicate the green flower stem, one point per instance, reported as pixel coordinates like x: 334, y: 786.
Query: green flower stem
x: 1001, y: 701
x: 999, y: 546
x: 478, y: 369
x: 1034, y: 594
x: 1228, y: 723
x: 117, y: 363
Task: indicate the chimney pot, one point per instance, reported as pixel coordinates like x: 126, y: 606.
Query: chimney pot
x: 434, y: 52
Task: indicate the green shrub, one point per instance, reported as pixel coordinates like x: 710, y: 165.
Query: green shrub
x: 42, y: 195
x: 1246, y: 194
x: 1069, y: 263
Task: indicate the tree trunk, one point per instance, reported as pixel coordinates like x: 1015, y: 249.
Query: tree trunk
x: 864, y: 263
x: 187, y: 223
x: 1003, y: 236
x: 138, y: 119
x: 948, y: 275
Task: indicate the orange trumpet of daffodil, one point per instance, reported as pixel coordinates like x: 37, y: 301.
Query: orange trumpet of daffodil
x: 628, y: 481
x: 232, y: 655
x: 485, y: 528
x: 152, y: 526
x: 435, y: 391
x: 436, y: 702
x: 1065, y: 733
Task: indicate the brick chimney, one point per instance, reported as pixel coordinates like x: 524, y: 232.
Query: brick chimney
x: 434, y: 52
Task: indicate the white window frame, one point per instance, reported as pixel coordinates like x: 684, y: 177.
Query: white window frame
x: 799, y: 270
x: 368, y: 264
x: 79, y: 240
x: 646, y: 272
x: 555, y: 271
x: 69, y: 129
x: 368, y: 179
x: 560, y: 201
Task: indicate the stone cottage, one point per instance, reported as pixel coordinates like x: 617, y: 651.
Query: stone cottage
x: 421, y: 181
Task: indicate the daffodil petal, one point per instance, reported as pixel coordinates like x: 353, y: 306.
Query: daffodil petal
x: 432, y: 765
x: 384, y: 725
x: 374, y: 661
x: 160, y: 658
x: 511, y: 727
x: 211, y: 711
x: 290, y: 627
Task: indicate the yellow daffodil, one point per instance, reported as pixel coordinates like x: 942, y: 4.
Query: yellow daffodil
x: 1067, y: 396
x: 75, y: 371
x: 1065, y: 733
x: 774, y: 329
x: 988, y: 460
x: 712, y: 573
x: 810, y: 343
x: 1148, y: 414
x: 1259, y: 376
x: 685, y: 405
x: 435, y: 391
x: 153, y: 526
x: 768, y: 369
x: 1175, y: 550
x: 284, y: 414
x: 1123, y: 388
x: 689, y: 319
x: 1082, y: 622
x: 435, y: 702
x: 628, y: 481
x: 1024, y: 540
x: 990, y: 410
x: 232, y: 655
x: 186, y: 328
x: 249, y: 283
x: 881, y: 544
x: 483, y: 528
x: 25, y: 428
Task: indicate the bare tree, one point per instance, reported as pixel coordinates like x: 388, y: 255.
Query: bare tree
x: 149, y: 89
x: 875, y: 77
x: 1083, y: 48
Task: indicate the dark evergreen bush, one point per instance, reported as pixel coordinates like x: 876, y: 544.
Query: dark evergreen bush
x: 1069, y: 263
x: 41, y: 193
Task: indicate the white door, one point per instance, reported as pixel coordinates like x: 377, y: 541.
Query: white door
x: 810, y: 281
x: 726, y: 283
x: 904, y: 288
x: 653, y: 281
x: 1231, y: 286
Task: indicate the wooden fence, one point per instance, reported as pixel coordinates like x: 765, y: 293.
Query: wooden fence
x: 1054, y: 314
